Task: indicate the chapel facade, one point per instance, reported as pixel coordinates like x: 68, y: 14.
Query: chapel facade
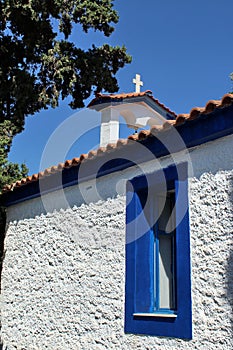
x: 130, y: 245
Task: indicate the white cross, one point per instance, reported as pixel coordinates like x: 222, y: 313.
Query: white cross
x: 137, y: 83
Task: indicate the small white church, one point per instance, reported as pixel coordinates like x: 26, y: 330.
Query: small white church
x: 130, y: 245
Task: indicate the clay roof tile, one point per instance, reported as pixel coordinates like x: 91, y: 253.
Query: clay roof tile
x: 211, y: 105
x: 143, y: 134
x: 75, y: 161
x: 92, y: 154
x: 180, y: 119
x: 110, y: 146
x: 133, y: 137
x: 47, y: 172
x: 100, y: 150
x: 53, y: 169
x: 227, y: 100
x: 100, y: 98
x: 155, y: 129
x: 83, y: 156
x: 34, y: 177
x: 168, y: 124
x: 67, y: 163
x: 23, y: 181
x: 195, y: 112
x: 60, y: 166
x: 121, y: 143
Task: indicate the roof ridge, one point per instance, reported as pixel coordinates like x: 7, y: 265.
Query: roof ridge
x: 99, y: 97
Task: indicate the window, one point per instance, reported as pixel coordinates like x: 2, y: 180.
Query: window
x: 158, y: 283
x: 164, y: 253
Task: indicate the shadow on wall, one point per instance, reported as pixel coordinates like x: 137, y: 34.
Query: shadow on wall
x: 2, y: 237
x: 230, y: 286
x: 230, y: 263
x: 2, y: 252
x: 88, y: 192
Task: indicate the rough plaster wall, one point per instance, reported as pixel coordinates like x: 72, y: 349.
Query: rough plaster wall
x: 211, y: 221
x: 63, y: 275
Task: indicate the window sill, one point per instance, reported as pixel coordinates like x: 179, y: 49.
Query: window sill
x: 142, y: 314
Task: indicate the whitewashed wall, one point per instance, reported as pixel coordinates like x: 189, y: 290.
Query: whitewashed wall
x: 63, y: 273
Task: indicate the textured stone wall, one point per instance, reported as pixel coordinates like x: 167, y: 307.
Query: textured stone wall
x: 63, y: 274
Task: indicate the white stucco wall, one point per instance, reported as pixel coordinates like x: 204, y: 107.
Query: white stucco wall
x: 63, y: 273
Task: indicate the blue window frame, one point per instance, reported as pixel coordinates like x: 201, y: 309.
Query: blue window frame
x: 158, y: 281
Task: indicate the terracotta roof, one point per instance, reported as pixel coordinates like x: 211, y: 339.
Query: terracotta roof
x: 101, y: 98
x: 195, y: 113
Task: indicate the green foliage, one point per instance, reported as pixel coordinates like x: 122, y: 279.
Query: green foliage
x: 38, y: 62
x: 9, y: 172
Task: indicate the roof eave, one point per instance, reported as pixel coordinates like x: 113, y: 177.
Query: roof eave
x: 205, y: 128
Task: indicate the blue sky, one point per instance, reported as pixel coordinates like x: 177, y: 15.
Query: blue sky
x: 182, y: 49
